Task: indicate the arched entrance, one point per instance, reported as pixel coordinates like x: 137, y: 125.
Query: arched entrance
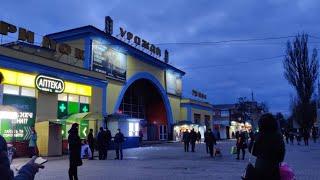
x: 143, y: 97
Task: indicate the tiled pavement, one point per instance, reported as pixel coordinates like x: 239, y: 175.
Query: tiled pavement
x: 168, y: 161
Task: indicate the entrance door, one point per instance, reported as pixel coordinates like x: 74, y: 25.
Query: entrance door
x: 163, y: 132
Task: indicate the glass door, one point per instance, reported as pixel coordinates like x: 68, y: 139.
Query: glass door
x: 163, y: 132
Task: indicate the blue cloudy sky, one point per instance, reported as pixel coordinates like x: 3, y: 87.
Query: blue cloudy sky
x: 223, y: 71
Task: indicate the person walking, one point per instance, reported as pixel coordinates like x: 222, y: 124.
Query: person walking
x: 193, y: 139
x: 102, y: 143
x: 298, y: 136
x: 314, y: 134
x: 241, y: 145
x: 33, y: 143
x: 108, y: 144
x: 118, y: 142
x: 186, y: 140
x: 74, y: 151
x: 90, y: 139
x: 306, y: 136
x: 269, y: 148
x: 286, y: 135
x: 291, y: 137
x: 210, y: 141
x: 199, y: 137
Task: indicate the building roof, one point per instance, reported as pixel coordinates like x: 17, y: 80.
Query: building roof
x: 88, y: 31
x: 224, y: 106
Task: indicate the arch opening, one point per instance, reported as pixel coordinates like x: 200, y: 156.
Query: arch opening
x: 142, y: 100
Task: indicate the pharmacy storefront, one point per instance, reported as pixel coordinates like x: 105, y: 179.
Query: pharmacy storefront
x: 27, y: 97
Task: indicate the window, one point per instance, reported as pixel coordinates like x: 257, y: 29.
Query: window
x: 73, y: 98
x: 133, y: 129
x: 10, y: 89
x: 30, y: 92
x: 62, y: 97
x: 197, y: 118
x: 84, y: 99
x: 224, y: 113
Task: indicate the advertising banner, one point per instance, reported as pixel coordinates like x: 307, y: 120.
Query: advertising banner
x: 174, y: 83
x: 20, y: 128
x: 108, y: 61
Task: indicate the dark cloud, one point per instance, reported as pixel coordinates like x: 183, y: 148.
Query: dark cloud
x: 217, y: 70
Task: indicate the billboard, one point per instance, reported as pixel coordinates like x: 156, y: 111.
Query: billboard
x: 174, y: 83
x: 20, y: 128
x: 108, y: 61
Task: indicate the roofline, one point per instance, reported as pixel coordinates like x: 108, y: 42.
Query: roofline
x: 101, y: 33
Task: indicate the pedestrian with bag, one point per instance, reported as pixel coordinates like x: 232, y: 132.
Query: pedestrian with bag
x: 91, y: 142
x: 268, y: 148
x: 118, y: 142
x: 186, y: 140
x: 74, y: 151
x: 210, y: 141
x: 241, y: 145
x: 102, y: 143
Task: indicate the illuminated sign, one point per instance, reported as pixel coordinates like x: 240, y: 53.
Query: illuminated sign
x: 28, y: 36
x: 173, y: 83
x: 49, y: 84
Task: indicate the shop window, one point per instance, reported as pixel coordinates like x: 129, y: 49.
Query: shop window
x: 10, y: 89
x: 30, y: 92
x: 63, y: 97
x: 73, y: 98
x: 133, y: 129
x: 84, y: 99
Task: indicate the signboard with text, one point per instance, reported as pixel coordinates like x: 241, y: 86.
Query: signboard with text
x: 19, y: 129
x: 174, y: 83
x: 108, y: 61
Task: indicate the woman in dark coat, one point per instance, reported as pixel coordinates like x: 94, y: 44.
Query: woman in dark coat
x: 74, y: 151
x: 269, y: 148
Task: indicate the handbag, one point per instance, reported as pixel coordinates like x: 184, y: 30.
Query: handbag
x: 250, y: 172
x: 286, y: 173
x: 233, y: 150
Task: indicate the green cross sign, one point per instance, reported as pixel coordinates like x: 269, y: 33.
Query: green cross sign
x: 85, y: 109
x: 62, y: 107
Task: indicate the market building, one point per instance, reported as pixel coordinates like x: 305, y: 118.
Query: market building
x: 88, y: 76
x: 195, y: 114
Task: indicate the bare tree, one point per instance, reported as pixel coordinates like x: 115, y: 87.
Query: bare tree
x: 302, y: 72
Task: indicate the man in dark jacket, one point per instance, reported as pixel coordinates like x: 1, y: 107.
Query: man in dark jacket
x: 193, y: 139
x: 91, y: 142
x: 269, y: 148
x: 74, y: 151
x: 118, y: 141
x: 102, y: 143
x: 186, y: 140
x: 306, y: 136
x: 108, y: 137
x: 210, y: 141
x: 241, y: 145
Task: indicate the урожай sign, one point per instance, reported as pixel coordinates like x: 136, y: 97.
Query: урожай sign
x: 49, y: 84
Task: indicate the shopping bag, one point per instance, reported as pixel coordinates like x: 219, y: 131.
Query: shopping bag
x: 286, y: 173
x: 233, y: 150
x: 249, y: 173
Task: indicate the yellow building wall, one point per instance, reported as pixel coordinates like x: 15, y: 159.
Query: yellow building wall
x: 183, y: 113
x: 202, y: 113
x: 135, y: 66
x: 113, y: 91
x: 175, y: 108
x: 42, y: 129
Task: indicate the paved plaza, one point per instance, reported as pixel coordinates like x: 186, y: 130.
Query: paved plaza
x: 168, y: 161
